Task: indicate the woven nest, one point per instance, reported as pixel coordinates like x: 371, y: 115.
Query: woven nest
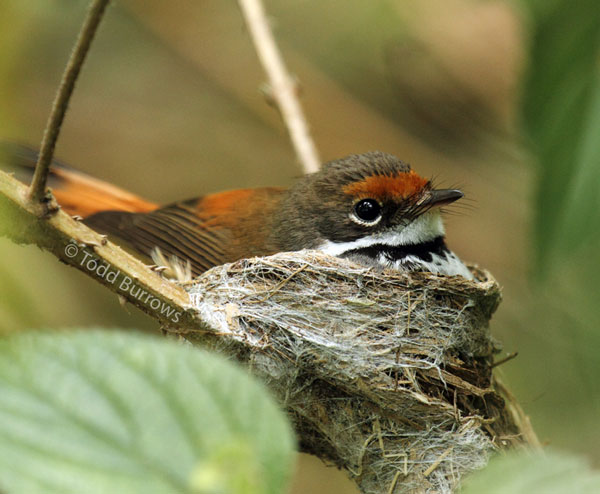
x: 385, y: 374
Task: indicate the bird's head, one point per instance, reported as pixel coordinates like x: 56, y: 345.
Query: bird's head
x: 366, y: 199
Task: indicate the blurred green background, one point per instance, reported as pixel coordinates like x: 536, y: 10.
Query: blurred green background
x: 499, y: 98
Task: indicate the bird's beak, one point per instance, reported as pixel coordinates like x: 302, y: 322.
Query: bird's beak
x: 441, y: 197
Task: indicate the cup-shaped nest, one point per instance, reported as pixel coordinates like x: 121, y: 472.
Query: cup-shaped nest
x: 385, y: 374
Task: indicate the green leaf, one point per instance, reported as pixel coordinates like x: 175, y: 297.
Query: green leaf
x: 529, y: 473
x: 561, y: 108
x: 101, y: 411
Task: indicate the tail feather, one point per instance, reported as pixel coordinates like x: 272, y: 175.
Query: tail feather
x: 139, y: 225
x: 76, y: 192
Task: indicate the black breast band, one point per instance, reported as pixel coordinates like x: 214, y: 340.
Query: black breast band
x: 423, y: 251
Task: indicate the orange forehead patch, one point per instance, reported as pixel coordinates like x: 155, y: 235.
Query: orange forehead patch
x: 401, y: 185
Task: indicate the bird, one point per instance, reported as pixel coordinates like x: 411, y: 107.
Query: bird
x: 370, y: 208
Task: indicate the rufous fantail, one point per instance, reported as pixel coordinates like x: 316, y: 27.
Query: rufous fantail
x: 371, y: 208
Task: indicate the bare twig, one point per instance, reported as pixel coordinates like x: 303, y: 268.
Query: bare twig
x: 61, y: 102
x: 281, y: 83
x: 505, y: 359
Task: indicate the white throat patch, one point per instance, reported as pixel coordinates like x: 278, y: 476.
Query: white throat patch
x: 425, y: 228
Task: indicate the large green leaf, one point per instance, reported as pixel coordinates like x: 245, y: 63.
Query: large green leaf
x: 528, y: 473
x: 561, y: 108
x: 98, y: 412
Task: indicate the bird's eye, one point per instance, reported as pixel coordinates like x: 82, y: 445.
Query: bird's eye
x: 367, y: 211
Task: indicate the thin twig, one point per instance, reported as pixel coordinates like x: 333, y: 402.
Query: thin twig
x: 505, y: 359
x: 63, y: 95
x: 282, y: 84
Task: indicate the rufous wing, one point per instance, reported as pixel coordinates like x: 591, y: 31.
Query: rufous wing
x: 176, y: 230
x: 208, y: 231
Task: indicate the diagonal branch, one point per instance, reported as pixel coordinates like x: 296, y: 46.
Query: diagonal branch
x: 78, y: 246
